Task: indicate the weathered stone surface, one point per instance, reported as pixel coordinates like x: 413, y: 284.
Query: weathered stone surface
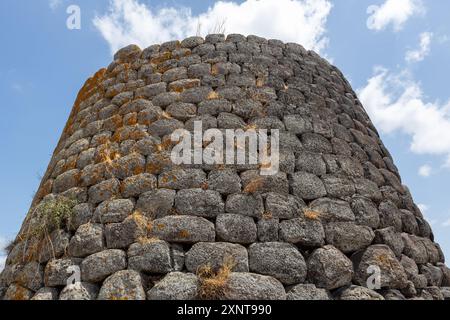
x: 152, y: 256
x: 248, y: 205
x: 82, y: 214
x: 88, y: 239
x: 217, y: 255
x: 31, y: 276
x: 282, y: 261
x: 268, y: 229
x: 114, y: 211
x: 329, y: 268
x: 330, y: 210
x: 312, y: 163
x: 391, y: 238
x: 156, y: 203
x: 433, y: 274
x: 446, y: 293
x: 58, y: 271
x: 183, y: 229
x: 224, y: 181
x: 307, y: 292
x: 45, y: 294
x: 136, y: 185
x: 358, y: 293
x: 175, y: 286
x: 104, y: 191
x: 392, y: 273
x: 415, y: 248
x: 97, y: 267
x: 304, y: 231
x: 79, y: 291
x: 307, y: 186
x: 432, y: 293
x: 16, y: 292
x: 122, y: 235
x: 199, y: 202
x: 182, y: 179
x: 390, y: 216
x: 123, y: 285
x: 236, y: 228
x: 55, y: 246
x: 249, y: 286
x: 348, y: 237
x: 338, y: 187
x: 366, y: 212
x: 283, y: 206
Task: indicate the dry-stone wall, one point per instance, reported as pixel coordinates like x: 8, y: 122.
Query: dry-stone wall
x: 114, y: 206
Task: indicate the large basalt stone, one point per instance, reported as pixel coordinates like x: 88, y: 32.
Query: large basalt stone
x: 358, y: 293
x: 328, y: 268
x: 97, y: 267
x: 79, y: 291
x: 236, y: 228
x: 249, y: 286
x: 198, y: 202
x: 307, y: 292
x: 123, y: 285
x: 183, y: 229
x: 303, y: 231
x: 88, y: 239
x: 175, y: 286
x: 348, y: 237
x: 282, y: 261
x: 392, y: 274
x: 216, y: 255
x: 57, y: 272
x: 152, y: 256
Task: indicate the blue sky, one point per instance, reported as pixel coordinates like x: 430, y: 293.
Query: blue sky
x: 394, y: 52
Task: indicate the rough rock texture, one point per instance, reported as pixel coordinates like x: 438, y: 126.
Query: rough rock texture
x: 141, y: 226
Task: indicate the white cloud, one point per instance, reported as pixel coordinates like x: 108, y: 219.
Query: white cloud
x: 395, y: 103
x: 425, y: 171
x: 395, y: 12
x: 54, y: 4
x: 423, y: 50
x: 301, y: 21
x: 446, y: 224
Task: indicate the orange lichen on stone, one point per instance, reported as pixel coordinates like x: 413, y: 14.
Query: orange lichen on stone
x: 132, y: 119
x: 91, y: 86
x: 162, y: 57
x: 181, y: 85
x: 45, y: 189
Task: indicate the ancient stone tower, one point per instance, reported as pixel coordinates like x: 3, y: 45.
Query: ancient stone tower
x: 115, y: 218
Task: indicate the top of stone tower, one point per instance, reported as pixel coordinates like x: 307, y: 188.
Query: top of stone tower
x: 116, y: 205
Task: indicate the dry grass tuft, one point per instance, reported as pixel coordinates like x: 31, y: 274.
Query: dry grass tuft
x: 213, y: 283
x: 254, y: 185
x: 311, y: 214
x: 213, y: 95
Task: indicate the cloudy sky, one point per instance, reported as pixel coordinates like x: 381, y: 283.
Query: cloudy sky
x: 394, y: 52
